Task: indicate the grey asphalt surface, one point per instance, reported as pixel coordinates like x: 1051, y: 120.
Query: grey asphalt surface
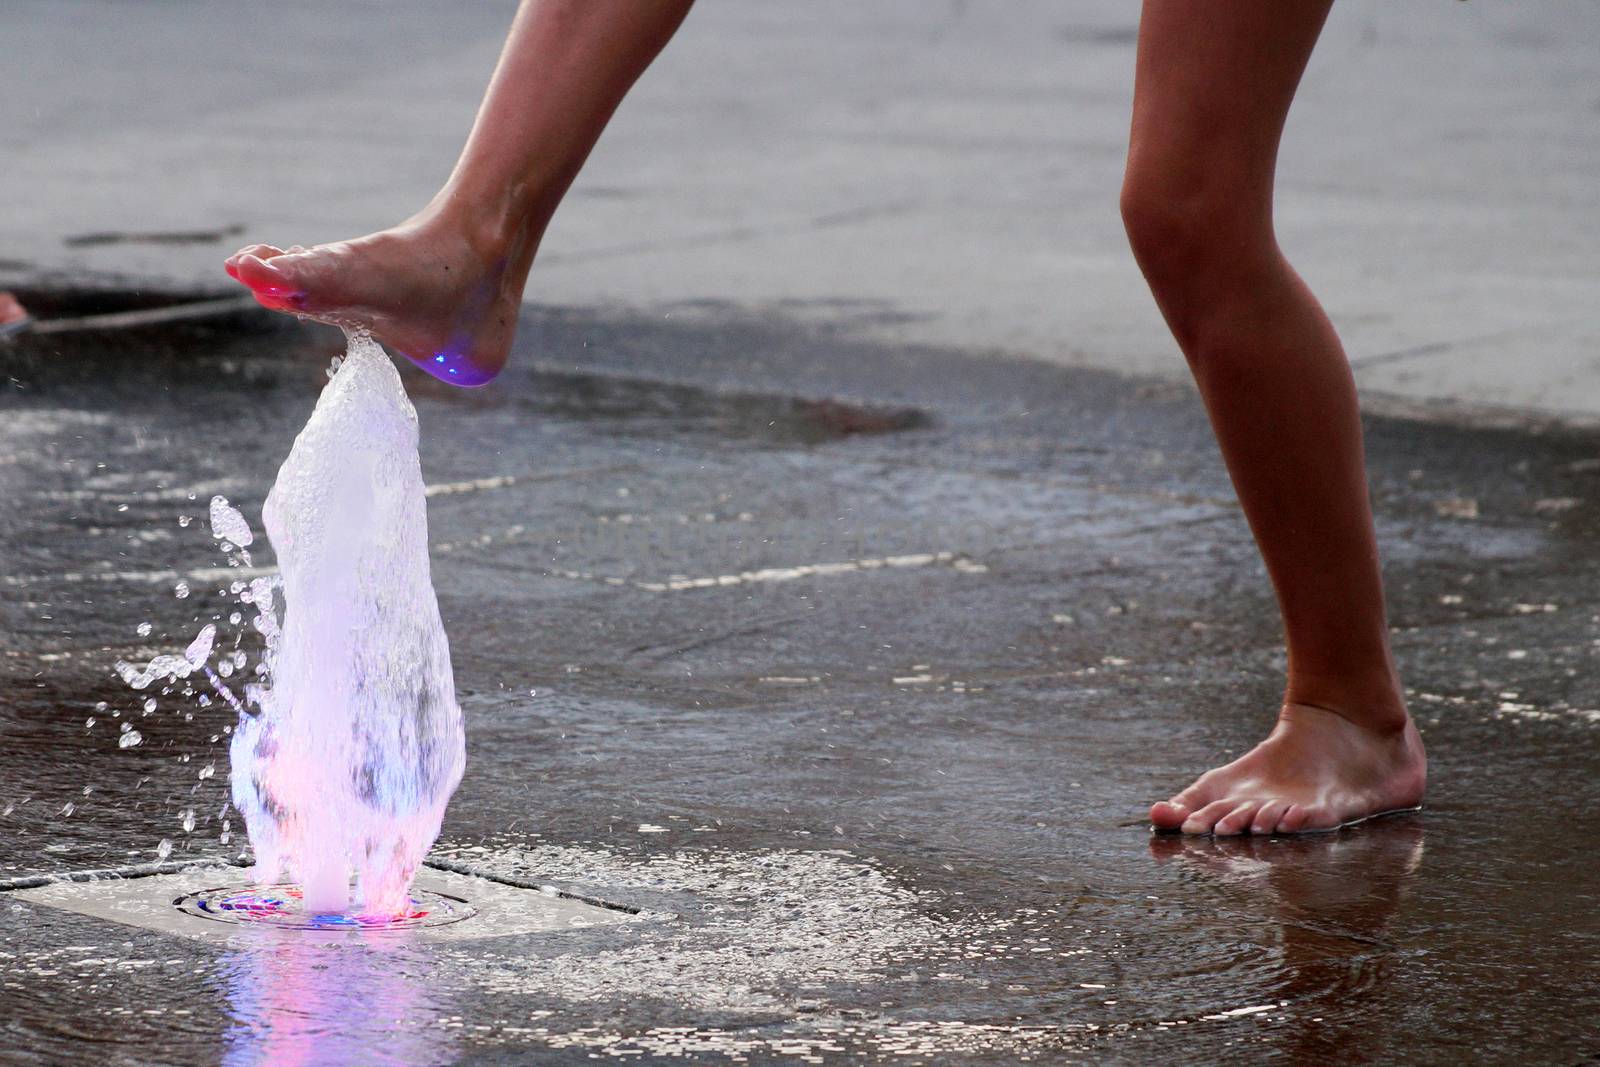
x: 951, y: 167
x: 888, y: 766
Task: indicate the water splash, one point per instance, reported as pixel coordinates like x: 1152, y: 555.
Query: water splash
x: 349, y: 742
x: 355, y: 744
x: 227, y: 524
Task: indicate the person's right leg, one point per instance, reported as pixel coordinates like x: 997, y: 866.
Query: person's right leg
x: 443, y: 287
x: 1213, y: 87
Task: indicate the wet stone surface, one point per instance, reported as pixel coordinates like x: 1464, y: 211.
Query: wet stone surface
x: 864, y: 662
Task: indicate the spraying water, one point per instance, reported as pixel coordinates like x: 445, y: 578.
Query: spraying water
x: 358, y: 743
x: 350, y: 743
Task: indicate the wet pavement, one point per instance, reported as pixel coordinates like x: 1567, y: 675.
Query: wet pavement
x: 862, y: 661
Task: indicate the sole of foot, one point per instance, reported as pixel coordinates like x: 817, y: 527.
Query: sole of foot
x: 423, y: 293
x: 1317, y: 772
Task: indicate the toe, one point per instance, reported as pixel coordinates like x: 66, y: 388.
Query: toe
x: 1268, y: 816
x: 259, y: 251
x: 1168, y: 814
x: 1237, y: 820
x: 1293, y: 820
x: 1205, y: 820
x: 271, y: 285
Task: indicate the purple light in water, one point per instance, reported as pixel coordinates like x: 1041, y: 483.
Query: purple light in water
x: 447, y: 359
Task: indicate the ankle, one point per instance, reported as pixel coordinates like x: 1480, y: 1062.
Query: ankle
x: 1374, y: 702
x: 496, y: 230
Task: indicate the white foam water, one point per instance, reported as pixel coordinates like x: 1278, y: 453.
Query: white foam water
x: 349, y: 742
x: 354, y: 743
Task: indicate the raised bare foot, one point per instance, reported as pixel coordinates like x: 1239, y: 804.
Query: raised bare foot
x: 422, y: 288
x: 1316, y: 771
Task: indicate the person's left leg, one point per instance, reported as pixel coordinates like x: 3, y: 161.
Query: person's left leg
x: 1212, y: 90
x: 443, y: 288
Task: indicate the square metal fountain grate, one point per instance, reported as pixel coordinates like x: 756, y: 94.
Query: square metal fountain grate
x: 217, y: 903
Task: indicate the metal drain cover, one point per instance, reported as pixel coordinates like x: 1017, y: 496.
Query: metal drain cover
x: 279, y: 906
x: 213, y: 904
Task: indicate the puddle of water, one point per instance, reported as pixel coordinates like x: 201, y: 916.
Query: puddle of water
x: 645, y: 406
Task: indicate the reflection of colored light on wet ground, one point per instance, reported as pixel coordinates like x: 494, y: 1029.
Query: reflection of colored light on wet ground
x: 263, y: 907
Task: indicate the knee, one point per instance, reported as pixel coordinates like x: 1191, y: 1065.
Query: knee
x: 1193, y: 223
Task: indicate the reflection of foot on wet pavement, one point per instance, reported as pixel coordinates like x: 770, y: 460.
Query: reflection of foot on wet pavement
x: 1316, y: 911
x: 425, y: 288
x: 1316, y: 771
x: 1351, y: 883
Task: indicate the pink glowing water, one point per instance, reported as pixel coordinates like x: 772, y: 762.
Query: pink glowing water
x: 356, y: 743
x: 349, y: 743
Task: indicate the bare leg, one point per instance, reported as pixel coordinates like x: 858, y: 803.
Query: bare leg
x: 443, y: 287
x: 1213, y: 87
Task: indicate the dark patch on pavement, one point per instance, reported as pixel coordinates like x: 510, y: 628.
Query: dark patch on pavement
x: 155, y: 237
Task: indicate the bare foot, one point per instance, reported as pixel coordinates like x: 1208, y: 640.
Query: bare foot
x: 422, y: 288
x: 1316, y: 771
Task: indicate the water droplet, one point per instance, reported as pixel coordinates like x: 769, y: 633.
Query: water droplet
x: 150, y: 706
x: 225, y: 668
x: 88, y: 724
x: 143, y: 629
x: 129, y: 738
x: 184, y: 520
x: 235, y: 619
x: 207, y: 771
x: 188, y: 821
x: 199, y: 649
x: 68, y: 808
x: 228, y: 525
x: 164, y: 849
x: 181, y: 590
